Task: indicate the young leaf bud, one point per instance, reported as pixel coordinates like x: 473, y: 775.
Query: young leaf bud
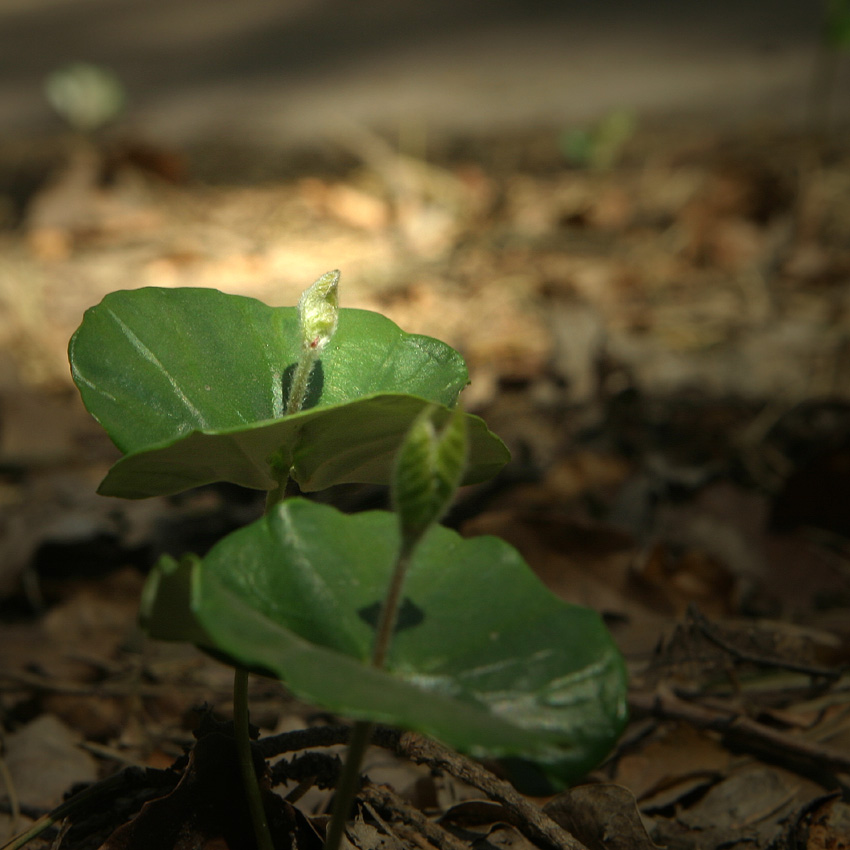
x: 318, y: 312
x: 429, y: 468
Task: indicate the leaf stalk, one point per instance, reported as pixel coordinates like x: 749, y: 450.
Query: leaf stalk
x: 361, y: 734
x: 246, y: 760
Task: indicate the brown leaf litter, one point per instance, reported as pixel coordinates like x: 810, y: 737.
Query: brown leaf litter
x: 663, y: 345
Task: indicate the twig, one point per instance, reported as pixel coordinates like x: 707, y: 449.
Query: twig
x: 303, y: 739
x: 525, y: 816
x: 322, y: 769
x: 743, y: 732
x: 712, y: 634
x: 312, y: 769
x: 386, y: 800
x: 60, y: 835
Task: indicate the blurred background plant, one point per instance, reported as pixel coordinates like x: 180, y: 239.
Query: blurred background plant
x: 832, y: 54
x: 87, y: 96
x: 600, y: 145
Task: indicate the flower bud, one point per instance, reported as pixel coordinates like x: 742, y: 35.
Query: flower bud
x: 318, y: 312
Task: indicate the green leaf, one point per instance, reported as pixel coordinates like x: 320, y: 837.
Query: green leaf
x: 354, y: 443
x: 429, y: 468
x: 167, y: 597
x: 191, y: 384
x: 484, y: 657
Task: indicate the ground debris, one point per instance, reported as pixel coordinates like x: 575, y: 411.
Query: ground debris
x: 662, y: 344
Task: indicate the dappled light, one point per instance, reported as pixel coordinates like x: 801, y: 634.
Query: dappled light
x: 616, y: 236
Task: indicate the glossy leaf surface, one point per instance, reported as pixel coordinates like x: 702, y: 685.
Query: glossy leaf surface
x: 191, y: 385
x: 484, y: 657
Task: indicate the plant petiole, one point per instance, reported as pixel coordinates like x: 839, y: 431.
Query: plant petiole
x: 389, y: 610
x: 318, y: 315
x: 349, y: 779
x: 301, y: 380
x: 348, y: 783
x: 246, y: 760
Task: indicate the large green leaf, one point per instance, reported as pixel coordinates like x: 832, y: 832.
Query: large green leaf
x: 485, y: 658
x: 354, y: 443
x: 191, y: 384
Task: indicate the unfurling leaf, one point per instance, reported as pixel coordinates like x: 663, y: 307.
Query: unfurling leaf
x: 429, y: 468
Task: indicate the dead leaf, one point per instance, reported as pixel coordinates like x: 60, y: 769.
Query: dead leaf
x: 208, y: 809
x: 474, y: 813
x: 504, y: 836
x: 372, y: 836
x: 602, y: 817
x: 44, y: 760
x: 749, y: 803
x: 829, y: 827
x: 672, y: 764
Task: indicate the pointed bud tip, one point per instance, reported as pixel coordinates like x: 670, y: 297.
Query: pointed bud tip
x: 318, y: 311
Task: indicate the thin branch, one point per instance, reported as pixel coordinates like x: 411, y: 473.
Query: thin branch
x: 318, y: 769
x: 745, y: 733
x: 528, y: 818
x: 524, y: 815
x: 396, y: 808
x: 712, y: 634
x: 304, y: 739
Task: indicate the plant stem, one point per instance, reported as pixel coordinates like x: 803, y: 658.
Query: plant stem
x: 301, y: 380
x: 348, y: 783
x: 361, y: 734
x: 285, y: 489
x: 389, y: 610
x: 241, y: 718
x: 246, y: 760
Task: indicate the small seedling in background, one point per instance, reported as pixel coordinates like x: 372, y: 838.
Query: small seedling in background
x: 600, y: 146
x: 87, y: 96
x: 838, y: 24
x: 835, y: 41
x: 196, y: 386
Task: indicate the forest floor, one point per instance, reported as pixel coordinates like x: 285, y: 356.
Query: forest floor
x: 660, y: 331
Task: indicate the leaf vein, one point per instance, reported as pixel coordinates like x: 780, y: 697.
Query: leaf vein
x: 151, y: 358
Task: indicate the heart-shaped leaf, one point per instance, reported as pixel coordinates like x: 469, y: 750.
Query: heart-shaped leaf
x: 191, y: 384
x: 484, y: 657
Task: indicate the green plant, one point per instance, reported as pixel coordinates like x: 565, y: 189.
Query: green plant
x: 380, y: 617
x: 837, y: 24
x: 834, y: 41
x: 87, y: 96
x: 600, y: 146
